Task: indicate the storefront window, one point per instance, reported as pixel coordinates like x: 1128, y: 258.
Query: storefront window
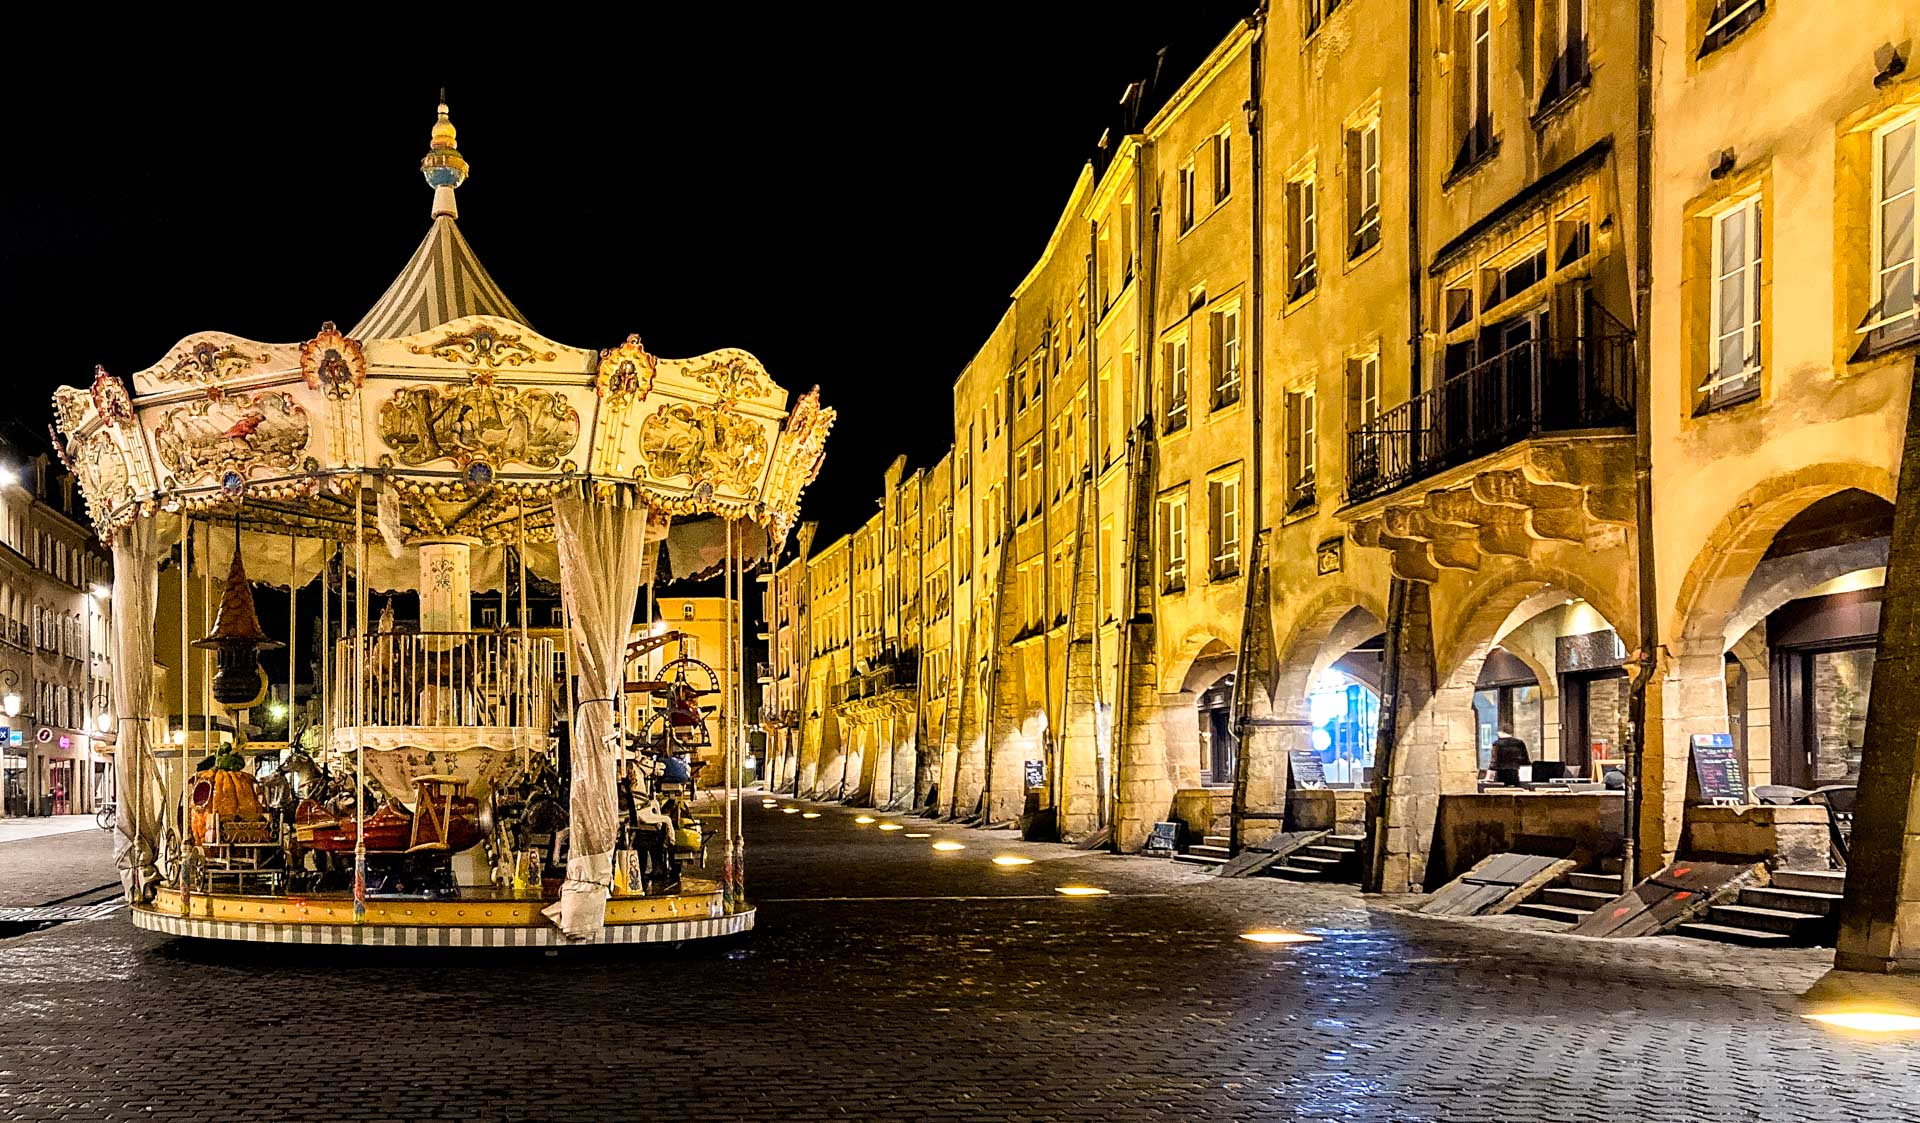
x: 1346, y: 723
x: 1842, y: 681
x: 1515, y: 708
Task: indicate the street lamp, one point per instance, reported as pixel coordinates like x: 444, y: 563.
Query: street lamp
x: 103, y: 711
x: 11, y: 702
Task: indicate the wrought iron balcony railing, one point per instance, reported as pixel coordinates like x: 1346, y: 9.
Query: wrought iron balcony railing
x: 1540, y: 386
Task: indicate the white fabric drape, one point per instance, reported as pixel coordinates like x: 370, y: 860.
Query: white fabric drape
x: 136, y: 575
x: 600, y: 566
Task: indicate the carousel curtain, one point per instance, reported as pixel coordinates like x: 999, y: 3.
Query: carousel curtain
x: 136, y: 573
x: 600, y: 569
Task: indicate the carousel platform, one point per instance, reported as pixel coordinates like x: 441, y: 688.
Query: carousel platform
x: 477, y: 919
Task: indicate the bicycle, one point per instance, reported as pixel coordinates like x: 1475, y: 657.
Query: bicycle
x: 106, y: 816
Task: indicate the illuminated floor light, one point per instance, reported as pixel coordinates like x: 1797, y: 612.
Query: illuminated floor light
x: 948, y: 847
x: 1868, y: 1021
x: 1079, y: 891
x: 1268, y: 936
x: 891, y: 827
x: 810, y: 814
x: 864, y: 820
x: 1012, y: 860
x: 789, y: 811
x: 916, y: 834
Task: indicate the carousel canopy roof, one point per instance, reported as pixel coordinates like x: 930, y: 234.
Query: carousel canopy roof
x: 457, y: 417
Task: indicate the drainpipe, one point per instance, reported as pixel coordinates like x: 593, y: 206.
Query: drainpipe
x: 1389, y: 723
x: 1642, y: 456
x: 1096, y: 466
x: 1255, y: 390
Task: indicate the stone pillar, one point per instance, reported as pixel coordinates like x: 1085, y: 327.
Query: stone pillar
x: 1077, y: 744
x: 1408, y: 791
x: 1687, y: 695
x: 906, y: 752
x: 970, y: 753
x: 1264, y: 746
x: 1182, y: 734
x: 446, y: 598
x: 1880, y: 916
x: 1145, y: 787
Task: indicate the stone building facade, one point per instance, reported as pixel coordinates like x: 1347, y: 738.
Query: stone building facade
x: 1393, y: 387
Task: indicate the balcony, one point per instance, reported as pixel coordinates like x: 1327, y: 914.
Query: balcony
x: 1539, y: 386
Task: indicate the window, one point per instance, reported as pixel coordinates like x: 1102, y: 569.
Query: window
x: 1224, y: 335
x: 1363, y: 187
x: 1126, y: 242
x: 1302, y: 236
x: 1514, y: 272
x: 1726, y: 19
x: 1316, y: 13
x: 1363, y: 390
x: 1103, y: 403
x: 1565, y: 48
x: 1020, y: 390
x: 1223, y: 526
x: 1175, y: 403
x: 1893, y: 319
x: 1735, y: 301
x: 1300, y: 449
x: 1573, y: 234
x: 1173, y: 543
x: 1186, y: 196
x: 1222, y: 145
x: 1474, y: 89
x: 1458, y: 302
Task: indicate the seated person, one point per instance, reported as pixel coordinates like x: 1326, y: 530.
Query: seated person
x: 1509, y: 756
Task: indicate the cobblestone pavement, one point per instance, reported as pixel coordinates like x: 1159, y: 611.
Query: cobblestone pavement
x: 886, y: 981
x: 44, y: 868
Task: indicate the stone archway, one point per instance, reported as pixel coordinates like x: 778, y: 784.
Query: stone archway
x: 1322, y: 632
x: 1691, y: 675
x: 1436, y: 753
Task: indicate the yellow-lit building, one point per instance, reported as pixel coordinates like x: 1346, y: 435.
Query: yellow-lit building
x: 1391, y: 388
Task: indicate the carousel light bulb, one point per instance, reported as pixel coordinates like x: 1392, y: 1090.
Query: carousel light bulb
x: 276, y: 710
x: 178, y: 736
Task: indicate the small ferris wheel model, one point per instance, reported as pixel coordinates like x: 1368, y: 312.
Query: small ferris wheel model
x: 677, y: 724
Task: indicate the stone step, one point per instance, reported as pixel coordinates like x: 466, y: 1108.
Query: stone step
x: 1812, y: 881
x: 1550, y: 912
x: 1220, y: 840
x: 1791, y: 900
x: 1330, y: 853
x: 1289, y: 871
x: 1798, y: 926
x: 1192, y: 859
x: 1611, y: 865
x: 1608, y: 883
x: 1315, y: 861
x: 1746, y: 937
x: 1345, y: 841
x: 1213, y: 852
x: 1585, y: 900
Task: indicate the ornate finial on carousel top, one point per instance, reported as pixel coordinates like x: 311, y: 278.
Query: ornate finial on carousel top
x: 443, y: 166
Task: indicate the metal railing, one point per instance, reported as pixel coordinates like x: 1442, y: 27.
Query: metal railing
x: 471, y: 679
x: 1539, y: 386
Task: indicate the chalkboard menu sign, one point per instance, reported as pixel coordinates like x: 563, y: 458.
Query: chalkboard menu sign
x: 1165, y: 838
x: 1036, y: 773
x: 1307, y: 772
x: 1718, y: 772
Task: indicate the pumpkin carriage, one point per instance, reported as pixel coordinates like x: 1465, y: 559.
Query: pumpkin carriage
x: 442, y: 449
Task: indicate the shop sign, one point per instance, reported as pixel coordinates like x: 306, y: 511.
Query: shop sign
x: 16, y: 737
x: 44, y: 735
x: 1719, y: 775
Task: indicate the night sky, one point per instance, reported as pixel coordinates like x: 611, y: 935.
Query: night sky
x: 851, y: 201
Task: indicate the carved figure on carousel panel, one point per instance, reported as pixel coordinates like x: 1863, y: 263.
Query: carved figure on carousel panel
x: 237, y: 433
x: 626, y: 372
x: 483, y: 347
x: 333, y: 363
x: 710, y: 445
x: 212, y: 360
x: 480, y: 422
x: 110, y: 399
x: 732, y: 376
x: 104, y: 480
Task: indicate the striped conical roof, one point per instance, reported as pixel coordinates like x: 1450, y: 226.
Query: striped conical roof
x: 442, y: 281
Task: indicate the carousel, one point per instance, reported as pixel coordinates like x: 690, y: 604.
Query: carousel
x: 445, y: 783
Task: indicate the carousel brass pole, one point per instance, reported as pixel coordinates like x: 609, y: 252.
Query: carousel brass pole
x: 524, y: 666
x: 359, y: 700
x: 726, y: 725
x: 326, y: 655
x: 186, y: 692
x: 293, y: 634
x: 206, y: 657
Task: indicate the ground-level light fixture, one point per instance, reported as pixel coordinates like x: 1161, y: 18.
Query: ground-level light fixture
x: 948, y: 847
x: 789, y: 811
x: 891, y: 827
x: 1011, y: 860
x: 810, y: 814
x: 1868, y: 1021
x: 916, y: 834
x: 1275, y: 936
x: 1079, y: 891
x: 1860, y: 1002
x: 863, y: 820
